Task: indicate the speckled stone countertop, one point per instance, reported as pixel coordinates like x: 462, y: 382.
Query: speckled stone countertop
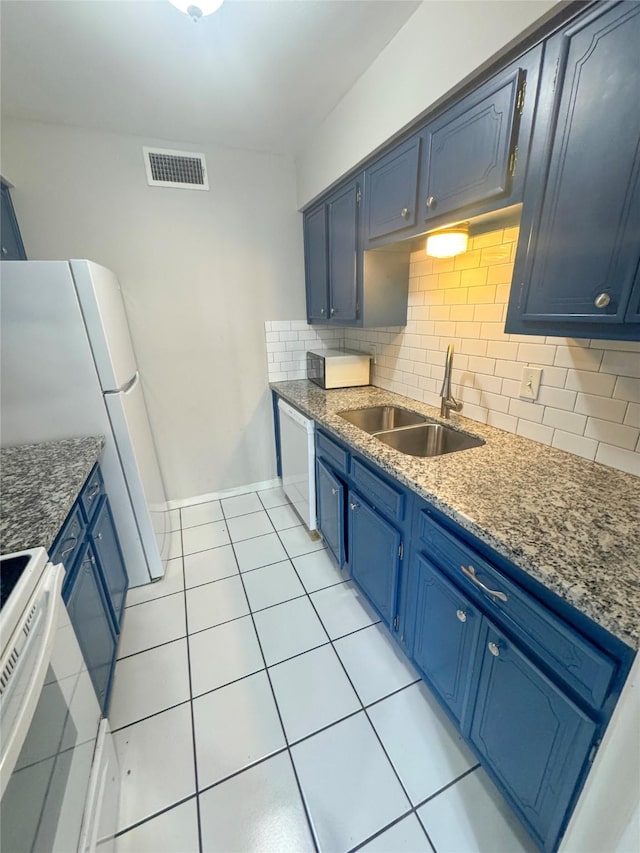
x: 39, y: 484
x: 572, y: 524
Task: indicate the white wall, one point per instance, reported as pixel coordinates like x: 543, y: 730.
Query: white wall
x: 201, y: 272
x: 439, y: 45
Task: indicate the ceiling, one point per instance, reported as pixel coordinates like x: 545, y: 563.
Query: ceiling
x: 259, y: 74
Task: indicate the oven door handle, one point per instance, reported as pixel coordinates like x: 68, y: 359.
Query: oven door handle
x: 31, y: 645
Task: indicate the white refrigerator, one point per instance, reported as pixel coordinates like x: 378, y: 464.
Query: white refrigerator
x: 68, y: 369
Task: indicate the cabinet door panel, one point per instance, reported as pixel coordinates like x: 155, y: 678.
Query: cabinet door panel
x: 12, y: 248
x: 586, y: 244
x: 446, y: 631
x: 342, y: 217
x: 533, y: 737
x: 330, y: 493
x: 89, y: 615
x: 467, y: 150
x: 374, y: 556
x: 315, y: 246
x: 110, y: 562
x: 391, y: 188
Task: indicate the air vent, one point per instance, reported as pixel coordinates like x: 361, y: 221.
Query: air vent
x: 181, y: 169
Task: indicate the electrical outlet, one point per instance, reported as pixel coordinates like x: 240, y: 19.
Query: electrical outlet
x: 530, y: 385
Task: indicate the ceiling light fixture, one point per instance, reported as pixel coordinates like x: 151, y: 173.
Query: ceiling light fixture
x: 448, y: 242
x: 199, y: 9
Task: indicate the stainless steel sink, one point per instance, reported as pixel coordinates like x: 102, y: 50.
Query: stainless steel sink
x: 429, y: 440
x: 380, y: 418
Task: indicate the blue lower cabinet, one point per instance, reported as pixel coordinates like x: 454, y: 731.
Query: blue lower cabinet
x: 374, y: 556
x: 330, y: 511
x: 533, y: 739
x: 89, y: 615
x: 110, y: 562
x: 445, y: 634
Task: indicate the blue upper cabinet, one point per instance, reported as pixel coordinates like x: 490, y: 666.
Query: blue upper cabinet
x: 470, y: 152
x: 315, y: 257
x: 342, y: 225
x: 331, y: 243
x: 577, y: 263
x: 390, y: 190
x: 12, y: 248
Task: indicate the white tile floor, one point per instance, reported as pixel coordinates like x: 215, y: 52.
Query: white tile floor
x: 258, y: 705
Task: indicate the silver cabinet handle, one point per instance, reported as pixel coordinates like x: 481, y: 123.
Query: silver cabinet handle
x: 494, y: 648
x: 333, y: 311
x: 404, y: 213
x: 4, y: 250
x: 470, y: 572
x: 461, y: 614
x: 431, y: 201
x: 99, y: 536
x: 602, y: 300
x: 322, y: 311
x: 354, y: 505
x: 334, y: 491
x: 71, y: 547
x: 93, y: 493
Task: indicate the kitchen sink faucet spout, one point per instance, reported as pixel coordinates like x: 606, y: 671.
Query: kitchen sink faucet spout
x: 448, y: 401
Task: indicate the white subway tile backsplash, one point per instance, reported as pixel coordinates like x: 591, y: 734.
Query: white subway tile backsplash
x: 568, y: 421
x: 627, y: 460
x: 616, y: 434
x: 537, y: 432
x: 622, y: 363
x: 601, y: 407
x: 589, y: 399
x: 577, y: 444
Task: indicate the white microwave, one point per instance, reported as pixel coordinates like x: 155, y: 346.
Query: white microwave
x: 338, y: 368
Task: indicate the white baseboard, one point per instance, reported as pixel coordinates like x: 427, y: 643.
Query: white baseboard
x: 226, y: 493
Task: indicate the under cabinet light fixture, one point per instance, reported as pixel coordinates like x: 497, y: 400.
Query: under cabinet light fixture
x: 448, y: 242
x: 198, y: 9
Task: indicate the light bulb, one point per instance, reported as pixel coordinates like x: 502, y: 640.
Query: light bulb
x: 198, y: 8
x: 449, y: 242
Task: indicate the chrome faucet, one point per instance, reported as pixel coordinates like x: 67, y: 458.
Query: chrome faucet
x: 448, y: 401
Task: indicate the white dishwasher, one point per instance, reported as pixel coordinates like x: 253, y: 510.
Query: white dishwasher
x: 297, y: 456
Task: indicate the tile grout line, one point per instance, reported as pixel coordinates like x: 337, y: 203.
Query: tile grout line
x: 364, y: 710
x: 193, y: 721
x: 275, y: 700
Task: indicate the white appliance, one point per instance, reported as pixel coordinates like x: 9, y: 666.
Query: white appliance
x: 68, y: 369
x: 59, y: 779
x: 298, y: 460
x: 338, y: 368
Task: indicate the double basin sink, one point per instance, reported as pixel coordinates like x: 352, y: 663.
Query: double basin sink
x: 410, y: 432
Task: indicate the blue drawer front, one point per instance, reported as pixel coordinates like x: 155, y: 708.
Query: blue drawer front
x: 382, y: 495
x: 577, y: 662
x: 328, y: 449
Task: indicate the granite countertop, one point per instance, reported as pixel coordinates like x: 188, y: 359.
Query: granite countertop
x: 39, y: 484
x: 572, y: 524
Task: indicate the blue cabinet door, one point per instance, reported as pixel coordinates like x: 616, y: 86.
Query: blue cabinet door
x: 374, y: 556
x: 89, y: 614
x: 467, y: 152
x: 580, y: 247
x: 315, y: 258
x: 342, y: 219
x: 445, y: 634
x: 12, y: 248
x: 330, y: 508
x: 390, y: 191
x: 110, y: 562
x: 533, y: 738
